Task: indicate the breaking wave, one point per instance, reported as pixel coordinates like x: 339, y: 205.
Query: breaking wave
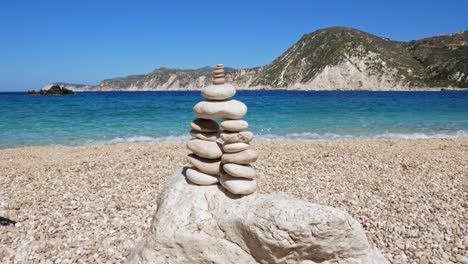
x: 287, y: 137
x: 332, y: 136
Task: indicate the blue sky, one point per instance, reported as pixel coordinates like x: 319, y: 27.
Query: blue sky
x: 87, y: 41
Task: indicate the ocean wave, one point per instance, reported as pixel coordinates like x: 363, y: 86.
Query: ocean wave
x: 333, y: 137
x: 307, y: 136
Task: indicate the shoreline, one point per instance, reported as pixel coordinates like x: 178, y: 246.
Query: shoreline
x: 94, y: 203
x: 421, y: 89
x: 259, y: 139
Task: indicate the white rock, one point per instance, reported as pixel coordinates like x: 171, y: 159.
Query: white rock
x: 201, y: 224
x: 205, y: 135
x: 243, y: 157
x: 204, y: 125
x: 205, y: 149
x: 237, y: 137
x: 243, y: 171
x: 235, y: 147
x: 231, y: 109
x: 209, y: 166
x: 218, y: 92
x: 200, y: 178
x: 240, y: 186
x: 234, y: 125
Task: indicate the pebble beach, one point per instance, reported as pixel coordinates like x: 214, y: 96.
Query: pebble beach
x: 92, y: 204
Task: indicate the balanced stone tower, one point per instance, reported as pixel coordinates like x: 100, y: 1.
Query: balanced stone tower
x: 221, y: 155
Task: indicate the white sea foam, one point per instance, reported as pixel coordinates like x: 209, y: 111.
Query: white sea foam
x: 287, y: 137
x: 332, y: 136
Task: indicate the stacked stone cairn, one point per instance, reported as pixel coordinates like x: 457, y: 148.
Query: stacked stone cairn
x: 221, y: 156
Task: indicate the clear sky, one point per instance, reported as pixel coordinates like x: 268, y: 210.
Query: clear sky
x: 83, y: 41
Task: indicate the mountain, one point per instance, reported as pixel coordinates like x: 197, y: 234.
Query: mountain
x: 330, y: 59
x: 444, y: 58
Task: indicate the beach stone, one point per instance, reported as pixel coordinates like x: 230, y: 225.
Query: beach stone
x: 239, y: 186
x: 243, y: 171
x: 206, y: 224
x: 220, y: 66
x: 236, y: 137
x: 218, y: 92
x: 209, y: 166
x: 200, y: 178
x: 204, y: 135
x: 205, y: 149
x: 243, y: 157
x: 234, y: 125
x: 218, y: 81
x: 218, y: 75
x: 204, y: 125
x: 231, y: 109
x: 218, y: 71
x: 235, y: 147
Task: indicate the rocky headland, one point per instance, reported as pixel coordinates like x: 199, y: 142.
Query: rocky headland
x: 337, y: 58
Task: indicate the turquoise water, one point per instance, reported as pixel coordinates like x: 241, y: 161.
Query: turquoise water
x: 115, y: 117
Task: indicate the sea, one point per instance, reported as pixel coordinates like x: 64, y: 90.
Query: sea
x: 89, y: 118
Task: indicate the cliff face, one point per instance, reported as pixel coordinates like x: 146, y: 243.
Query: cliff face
x: 330, y: 59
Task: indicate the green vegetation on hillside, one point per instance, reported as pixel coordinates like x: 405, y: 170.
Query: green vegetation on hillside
x: 440, y: 61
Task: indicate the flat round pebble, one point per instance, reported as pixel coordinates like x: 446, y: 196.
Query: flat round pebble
x: 234, y: 125
x: 205, y: 149
x: 240, y: 186
x: 243, y: 157
x: 209, y: 166
x: 236, y: 137
x: 200, y: 178
x: 204, y: 125
x: 243, y: 171
x: 235, y: 147
x: 231, y: 109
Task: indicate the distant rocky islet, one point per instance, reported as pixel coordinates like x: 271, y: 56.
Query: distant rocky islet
x: 53, y: 90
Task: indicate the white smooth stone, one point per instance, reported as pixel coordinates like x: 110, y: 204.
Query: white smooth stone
x: 205, y: 149
x: 243, y: 171
x: 236, y: 137
x: 209, y: 166
x: 205, y: 135
x: 231, y: 109
x: 200, y: 178
x: 235, y: 147
x: 218, y: 81
x: 234, y: 125
x: 238, y: 185
x: 204, y: 125
x: 218, y: 92
x: 243, y: 157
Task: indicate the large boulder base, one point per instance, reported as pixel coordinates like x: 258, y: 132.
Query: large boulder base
x: 206, y: 224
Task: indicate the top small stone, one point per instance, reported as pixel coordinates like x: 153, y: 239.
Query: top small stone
x: 219, y: 66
